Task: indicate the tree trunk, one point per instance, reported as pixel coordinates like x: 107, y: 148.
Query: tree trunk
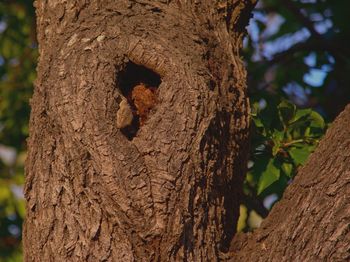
x: 139, y: 140
x: 119, y: 173
x: 312, y: 221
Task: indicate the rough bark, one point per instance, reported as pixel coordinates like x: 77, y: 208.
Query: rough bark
x: 312, y: 221
x: 170, y: 190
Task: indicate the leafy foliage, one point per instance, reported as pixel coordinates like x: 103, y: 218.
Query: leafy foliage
x: 297, y: 61
x: 283, y: 138
x: 17, y: 71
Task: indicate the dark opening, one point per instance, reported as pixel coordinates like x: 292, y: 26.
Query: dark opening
x: 132, y: 76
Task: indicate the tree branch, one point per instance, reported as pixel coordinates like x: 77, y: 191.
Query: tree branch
x: 311, y: 222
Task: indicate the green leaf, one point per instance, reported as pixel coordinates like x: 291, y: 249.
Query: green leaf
x: 287, y: 169
x: 270, y: 175
x: 260, y: 165
x: 257, y: 122
x: 300, y: 154
x: 276, y: 148
x: 302, y: 113
x: 306, y: 123
x: 277, y: 138
x: 316, y: 120
x: 286, y: 111
x: 278, y: 135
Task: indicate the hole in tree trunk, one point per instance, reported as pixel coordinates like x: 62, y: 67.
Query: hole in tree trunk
x: 138, y: 85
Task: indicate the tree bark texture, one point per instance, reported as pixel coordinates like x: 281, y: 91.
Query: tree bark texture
x: 312, y: 221
x: 171, y: 191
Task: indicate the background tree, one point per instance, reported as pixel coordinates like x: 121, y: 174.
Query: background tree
x: 296, y: 51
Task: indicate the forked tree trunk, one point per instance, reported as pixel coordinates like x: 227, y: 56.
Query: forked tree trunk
x: 165, y: 188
